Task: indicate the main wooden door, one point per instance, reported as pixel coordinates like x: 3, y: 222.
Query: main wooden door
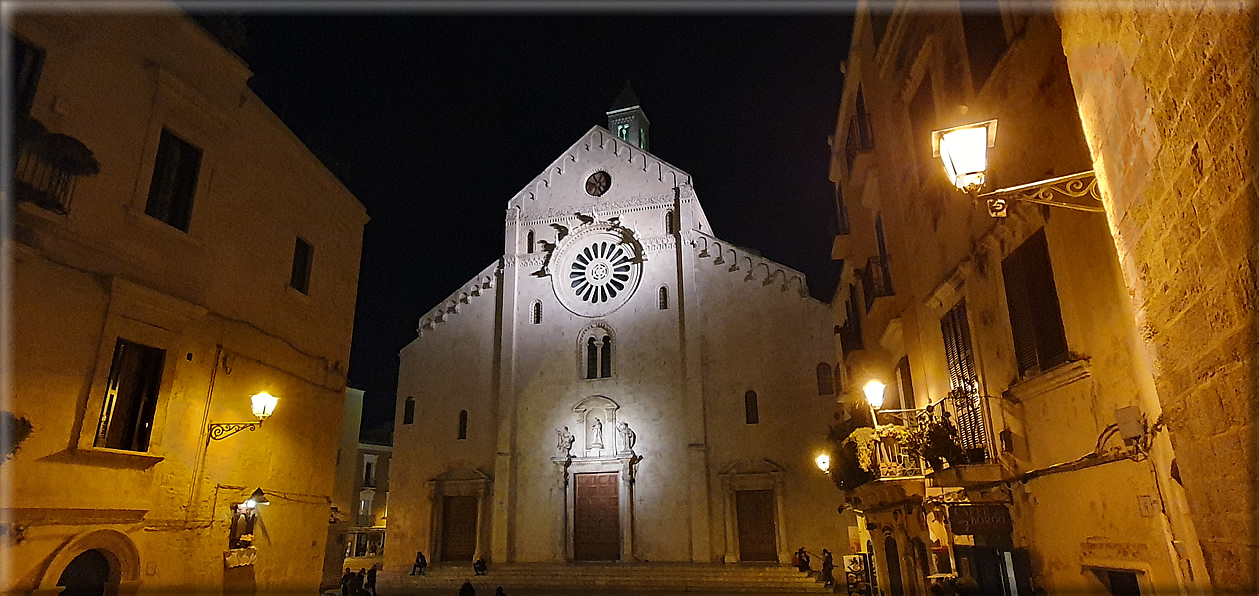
x: 458, y: 528
x: 597, y: 519
x: 755, y: 513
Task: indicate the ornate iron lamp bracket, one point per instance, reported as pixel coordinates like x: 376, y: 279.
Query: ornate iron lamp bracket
x: 223, y: 430
x: 1073, y: 191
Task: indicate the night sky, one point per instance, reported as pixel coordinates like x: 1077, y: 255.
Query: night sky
x: 435, y: 121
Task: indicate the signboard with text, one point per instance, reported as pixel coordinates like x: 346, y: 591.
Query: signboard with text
x: 980, y: 519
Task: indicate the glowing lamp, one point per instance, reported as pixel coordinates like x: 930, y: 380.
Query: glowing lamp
x: 823, y: 462
x: 264, y: 405
x: 964, y: 152
x: 874, y: 393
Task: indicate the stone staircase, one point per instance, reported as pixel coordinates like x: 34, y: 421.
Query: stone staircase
x: 664, y: 577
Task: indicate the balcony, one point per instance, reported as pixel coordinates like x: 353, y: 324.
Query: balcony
x: 876, y: 280
x: 48, y: 166
x: 860, y: 139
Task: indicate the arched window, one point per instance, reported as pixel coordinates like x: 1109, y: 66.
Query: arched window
x: 592, y: 359
x: 668, y: 222
x: 662, y: 298
x: 535, y: 313
x: 463, y: 424
x: 605, y: 360
x: 529, y: 242
x: 825, y: 382
x: 595, y: 345
x: 408, y: 411
x: 750, y: 409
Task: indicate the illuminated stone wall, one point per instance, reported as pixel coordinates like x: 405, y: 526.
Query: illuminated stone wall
x: 731, y: 321
x: 1167, y: 99
x: 216, y: 298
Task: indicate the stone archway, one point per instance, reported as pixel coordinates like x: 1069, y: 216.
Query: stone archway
x: 115, y: 548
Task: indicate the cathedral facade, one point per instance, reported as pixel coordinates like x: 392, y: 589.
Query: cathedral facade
x: 621, y: 385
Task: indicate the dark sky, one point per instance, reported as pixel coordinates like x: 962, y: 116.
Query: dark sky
x: 435, y: 121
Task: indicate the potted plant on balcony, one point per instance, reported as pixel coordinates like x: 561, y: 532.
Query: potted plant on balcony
x: 940, y: 442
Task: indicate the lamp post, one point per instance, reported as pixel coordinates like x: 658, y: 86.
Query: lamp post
x: 874, y: 390
x: 263, y: 405
x: 963, y: 150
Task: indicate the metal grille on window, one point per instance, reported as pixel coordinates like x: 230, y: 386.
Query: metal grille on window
x: 965, y: 400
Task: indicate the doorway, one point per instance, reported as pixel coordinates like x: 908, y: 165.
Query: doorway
x: 86, y: 575
x: 459, y: 529
x: 754, y: 510
x: 597, y: 517
x: 895, y: 583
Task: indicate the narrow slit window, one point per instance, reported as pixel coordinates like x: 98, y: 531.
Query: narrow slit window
x: 535, y: 313
x: 662, y: 298
x: 592, y: 359
x: 605, y: 364
x: 408, y: 411
x: 751, y: 410
x: 303, y: 256
x: 463, y: 424
x: 529, y: 242
x: 669, y: 223
x: 825, y: 381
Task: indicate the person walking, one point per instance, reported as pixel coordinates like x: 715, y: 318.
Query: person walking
x: 356, y: 582
x: 828, y: 567
x: 467, y: 589
x: 420, y: 563
x: 370, y: 585
x: 345, y: 582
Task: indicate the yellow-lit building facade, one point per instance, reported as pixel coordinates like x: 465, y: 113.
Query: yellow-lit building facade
x: 175, y: 251
x: 1022, y: 443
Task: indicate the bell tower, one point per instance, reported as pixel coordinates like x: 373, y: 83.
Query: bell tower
x: 627, y: 120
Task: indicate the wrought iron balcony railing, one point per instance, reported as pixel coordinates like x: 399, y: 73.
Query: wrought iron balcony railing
x: 876, y: 281
x: 48, y: 165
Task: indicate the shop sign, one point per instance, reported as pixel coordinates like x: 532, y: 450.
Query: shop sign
x: 980, y: 519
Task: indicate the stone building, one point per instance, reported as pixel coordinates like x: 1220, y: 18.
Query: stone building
x: 621, y: 385
x: 365, y: 539
x: 1033, y: 332
x: 175, y: 251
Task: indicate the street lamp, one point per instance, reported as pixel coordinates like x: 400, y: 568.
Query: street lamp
x: 823, y: 462
x: 263, y: 406
x: 964, y: 152
x: 874, y: 389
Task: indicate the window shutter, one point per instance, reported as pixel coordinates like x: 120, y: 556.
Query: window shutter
x: 1051, y: 341
x: 1019, y: 305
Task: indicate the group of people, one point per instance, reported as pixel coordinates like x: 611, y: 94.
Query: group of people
x: 362, y: 583
x: 802, y: 561
x: 421, y: 563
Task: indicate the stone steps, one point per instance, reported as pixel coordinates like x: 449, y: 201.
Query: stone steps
x: 628, y: 576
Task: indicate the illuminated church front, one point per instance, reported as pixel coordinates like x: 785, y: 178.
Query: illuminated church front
x: 621, y: 385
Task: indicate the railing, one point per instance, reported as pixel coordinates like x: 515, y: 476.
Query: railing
x: 40, y: 181
x: 954, y: 431
x: 968, y: 411
x: 876, y: 280
x: 860, y: 138
x: 891, y: 458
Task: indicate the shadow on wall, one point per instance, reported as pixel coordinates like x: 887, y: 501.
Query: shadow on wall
x: 239, y: 581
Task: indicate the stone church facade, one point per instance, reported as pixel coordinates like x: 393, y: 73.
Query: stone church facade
x: 621, y: 385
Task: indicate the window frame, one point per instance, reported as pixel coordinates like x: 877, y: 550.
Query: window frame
x: 29, y: 83
x: 107, y: 422
x: 1025, y: 297
x: 751, y: 408
x: 301, y: 282
x: 182, y: 219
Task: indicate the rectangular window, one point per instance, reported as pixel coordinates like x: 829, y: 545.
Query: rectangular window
x: 985, y: 39
x: 922, y: 119
x: 174, y: 181
x: 135, y: 377
x: 303, y: 255
x: 964, y: 400
x: 369, y: 479
x: 1035, y: 316
x: 27, y: 64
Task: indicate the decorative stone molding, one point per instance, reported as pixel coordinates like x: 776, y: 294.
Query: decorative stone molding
x: 1050, y: 380
x: 753, y: 475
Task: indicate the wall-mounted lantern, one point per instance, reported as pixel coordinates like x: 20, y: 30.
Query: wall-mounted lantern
x: 263, y: 406
x: 823, y: 462
x: 963, y: 150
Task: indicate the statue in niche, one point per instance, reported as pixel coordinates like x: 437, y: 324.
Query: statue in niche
x: 565, y: 445
x: 627, y: 437
x: 596, y: 434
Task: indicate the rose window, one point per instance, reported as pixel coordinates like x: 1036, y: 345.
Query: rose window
x: 600, y: 272
x: 596, y: 270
